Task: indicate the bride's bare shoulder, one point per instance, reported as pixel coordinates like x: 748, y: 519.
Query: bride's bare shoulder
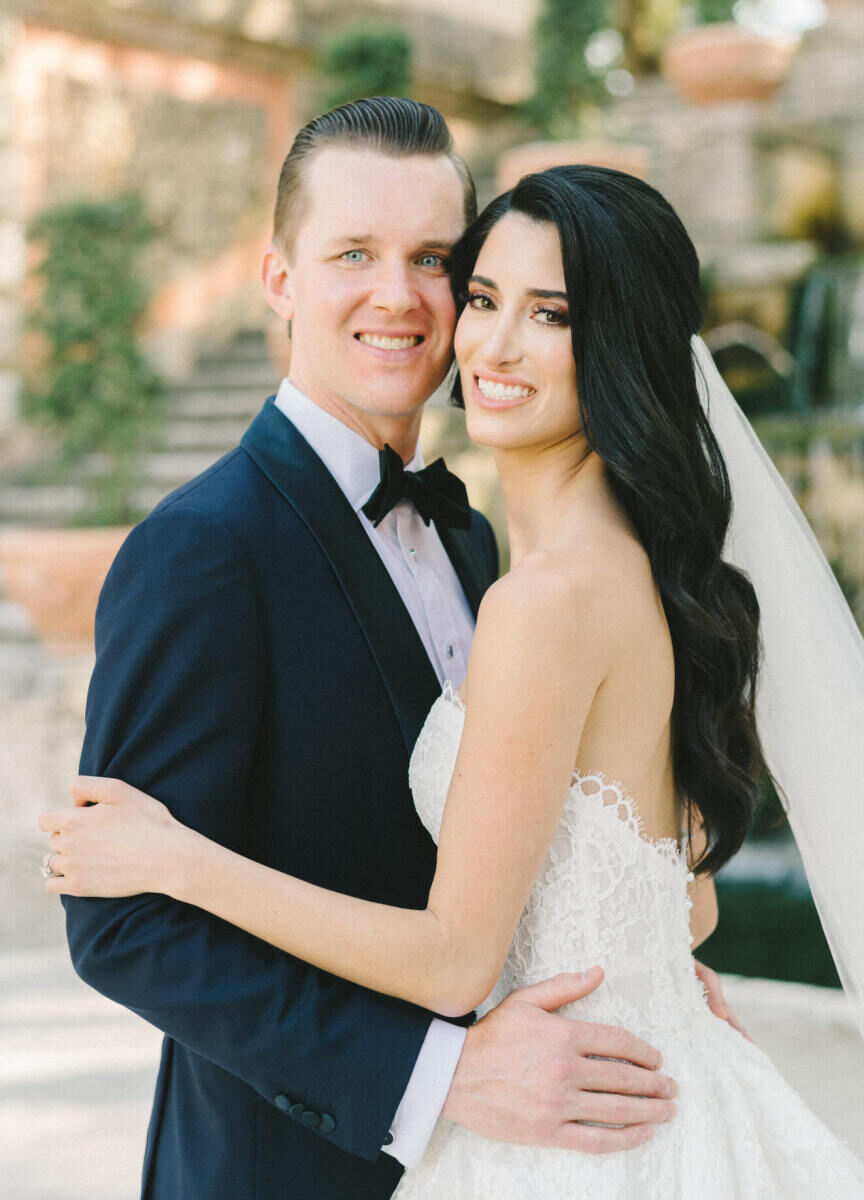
x: 565, y: 598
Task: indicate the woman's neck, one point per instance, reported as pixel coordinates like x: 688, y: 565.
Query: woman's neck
x: 545, y: 488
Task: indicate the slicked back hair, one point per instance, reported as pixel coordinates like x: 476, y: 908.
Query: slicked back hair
x: 387, y: 124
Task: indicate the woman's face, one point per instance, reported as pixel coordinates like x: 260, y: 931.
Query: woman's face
x: 513, y: 340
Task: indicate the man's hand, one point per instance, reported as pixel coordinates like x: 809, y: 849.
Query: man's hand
x: 527, y: 1075
x: 716, y: 1000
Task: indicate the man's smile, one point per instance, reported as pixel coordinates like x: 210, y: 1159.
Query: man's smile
x: 385, y: 342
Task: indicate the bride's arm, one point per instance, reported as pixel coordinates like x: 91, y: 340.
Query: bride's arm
x: 540, y: 653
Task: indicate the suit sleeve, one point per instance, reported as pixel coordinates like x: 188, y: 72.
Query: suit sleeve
x: 174, y: 709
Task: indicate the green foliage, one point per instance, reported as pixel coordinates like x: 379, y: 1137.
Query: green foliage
x: 366, y: 62
x: 564, y: 84
x: 715, y: 10
x: 93, y: 388
x: 769, y: 931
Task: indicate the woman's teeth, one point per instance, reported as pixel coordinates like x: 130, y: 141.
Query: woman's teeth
x: 502, y: 391
x: 388, y: 343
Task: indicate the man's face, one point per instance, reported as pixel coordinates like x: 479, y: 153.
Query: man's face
x: 366, y: 287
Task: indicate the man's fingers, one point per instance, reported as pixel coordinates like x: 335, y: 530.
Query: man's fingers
x: 56, y: 821
x: 622, y: 1079
x: 623, y: 1110
x: 554, y: 993
x: 591, y: 1139
x: 94, y: 789
x: 610, y: 1041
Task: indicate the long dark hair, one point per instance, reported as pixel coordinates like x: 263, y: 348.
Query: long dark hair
x: 632, y: 280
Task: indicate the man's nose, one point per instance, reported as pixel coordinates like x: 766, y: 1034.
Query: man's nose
x: 395, y: 290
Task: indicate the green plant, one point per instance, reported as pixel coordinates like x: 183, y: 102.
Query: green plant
x: 711, y: 11
x: 366, y: 62
x: 92, y: 387
x: 564, y: 83
x: 769, y: 930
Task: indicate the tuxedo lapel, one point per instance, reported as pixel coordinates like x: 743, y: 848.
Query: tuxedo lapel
x: 290, y: 463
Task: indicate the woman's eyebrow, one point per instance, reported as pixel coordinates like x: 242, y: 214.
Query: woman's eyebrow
x: 541, y: 293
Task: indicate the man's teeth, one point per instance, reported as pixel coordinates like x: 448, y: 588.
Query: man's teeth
x: 502, y: 391
x: 388, y: 343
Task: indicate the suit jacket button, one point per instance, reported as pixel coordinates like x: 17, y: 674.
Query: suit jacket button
x: 310, y: 1119
x: 388, y: 1141
x: 282, y: 1102
x: 328, y: 1123
x: 296, y: 1111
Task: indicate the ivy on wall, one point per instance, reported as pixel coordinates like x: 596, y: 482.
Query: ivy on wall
x: 564, y: 83
x: 92, y: 387
x: 366, y: 62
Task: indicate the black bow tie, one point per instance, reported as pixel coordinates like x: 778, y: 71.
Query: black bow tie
x: 436, y: 493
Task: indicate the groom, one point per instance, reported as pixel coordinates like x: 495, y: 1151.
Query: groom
x: 268, y: 645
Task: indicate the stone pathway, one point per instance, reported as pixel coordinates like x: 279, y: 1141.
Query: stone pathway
x: 77, y: 1073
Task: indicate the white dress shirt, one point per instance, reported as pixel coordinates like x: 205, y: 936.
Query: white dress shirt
x: 429, y: 587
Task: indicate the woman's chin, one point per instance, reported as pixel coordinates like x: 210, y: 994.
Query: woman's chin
x: 493, y: 434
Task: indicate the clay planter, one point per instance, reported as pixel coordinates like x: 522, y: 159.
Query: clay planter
x: 56, y: 576
x: 538, y: 156
x: 715, y: 63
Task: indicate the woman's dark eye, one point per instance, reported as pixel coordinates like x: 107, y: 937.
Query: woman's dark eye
x: 479, y: 300
x: 551, y: 316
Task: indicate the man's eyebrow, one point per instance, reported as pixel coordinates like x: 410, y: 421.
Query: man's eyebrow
x: 435, y: 242
x: 541, y: 293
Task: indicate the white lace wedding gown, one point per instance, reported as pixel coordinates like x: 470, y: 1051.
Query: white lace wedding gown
x: 607, y: 895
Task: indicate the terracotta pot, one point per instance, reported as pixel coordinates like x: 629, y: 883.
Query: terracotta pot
x: 56, y: 576
x: 537, y: 156
x: 714, y: 63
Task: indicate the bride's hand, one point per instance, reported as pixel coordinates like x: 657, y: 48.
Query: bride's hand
x: 116, y: 841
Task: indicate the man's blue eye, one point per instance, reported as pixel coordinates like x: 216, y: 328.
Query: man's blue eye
x: 358, y: 253
x: 432, y: 260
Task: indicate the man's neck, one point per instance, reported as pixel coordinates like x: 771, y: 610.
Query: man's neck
x: 401, y: 431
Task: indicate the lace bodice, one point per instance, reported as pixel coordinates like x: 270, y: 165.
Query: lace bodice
x: 608, y: 895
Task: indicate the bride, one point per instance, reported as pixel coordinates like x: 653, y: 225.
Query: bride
x: 600, y: 760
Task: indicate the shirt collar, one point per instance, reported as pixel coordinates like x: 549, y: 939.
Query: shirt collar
x: 350, y: 459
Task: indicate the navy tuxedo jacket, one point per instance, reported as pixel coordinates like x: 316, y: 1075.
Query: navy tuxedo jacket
x: 257, y: 671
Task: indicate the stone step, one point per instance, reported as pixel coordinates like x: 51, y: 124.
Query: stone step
x: 174, y: 467
x: 214, y: 434
x: 205, y: 404
x: 230, y: 375
x: 14, y: 623
x: 246, y: 346
x: 43, y: 505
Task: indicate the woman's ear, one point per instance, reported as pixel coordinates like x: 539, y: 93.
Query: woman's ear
x: 276, y: 277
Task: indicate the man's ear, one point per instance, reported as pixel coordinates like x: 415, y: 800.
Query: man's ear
x: 276, y: 277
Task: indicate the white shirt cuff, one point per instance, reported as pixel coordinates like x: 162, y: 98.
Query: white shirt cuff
x: 426, y: 1092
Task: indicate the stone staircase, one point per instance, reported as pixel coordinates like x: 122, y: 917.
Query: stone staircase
x: 205, y: 417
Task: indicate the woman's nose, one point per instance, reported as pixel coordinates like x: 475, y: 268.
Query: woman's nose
x: 502, y: 346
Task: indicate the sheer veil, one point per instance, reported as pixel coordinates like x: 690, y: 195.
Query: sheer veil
x: 810, y: 702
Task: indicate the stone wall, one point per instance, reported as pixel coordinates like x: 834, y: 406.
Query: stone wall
x: 12, y: 247
x: 201, y: 142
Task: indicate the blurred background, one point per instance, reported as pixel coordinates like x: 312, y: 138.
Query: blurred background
x: 140, y: 144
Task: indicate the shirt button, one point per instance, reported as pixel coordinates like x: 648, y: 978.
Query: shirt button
x: 449, y: 651
x: 412, y: 551
x: 388, y: 1140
